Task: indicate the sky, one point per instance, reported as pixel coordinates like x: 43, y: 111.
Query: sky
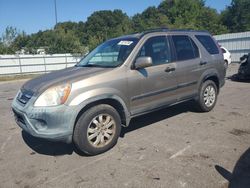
x: 31, y: 16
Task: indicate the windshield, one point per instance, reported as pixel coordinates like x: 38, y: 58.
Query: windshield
x: 111, y: 53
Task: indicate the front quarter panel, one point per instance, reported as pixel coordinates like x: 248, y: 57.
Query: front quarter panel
x: 112, y: 85
x: 83, y: 99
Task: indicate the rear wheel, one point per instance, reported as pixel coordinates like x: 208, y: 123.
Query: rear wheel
x: 207, y: 96
x: 97, y: 130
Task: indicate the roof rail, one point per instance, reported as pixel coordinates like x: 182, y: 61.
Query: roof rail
x: 164, y: 29
x: 189, y: 30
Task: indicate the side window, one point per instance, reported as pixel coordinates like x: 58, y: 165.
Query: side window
x: 208, y: 44
x: 185, y: 47
x: 157, y: 48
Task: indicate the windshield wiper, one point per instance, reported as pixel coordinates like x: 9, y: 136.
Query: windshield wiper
x: 95, y: 65
x: 88, y: 65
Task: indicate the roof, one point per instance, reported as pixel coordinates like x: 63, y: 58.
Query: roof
x: 141, y: 34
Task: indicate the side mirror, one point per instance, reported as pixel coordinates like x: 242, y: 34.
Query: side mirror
x: 143, y: 62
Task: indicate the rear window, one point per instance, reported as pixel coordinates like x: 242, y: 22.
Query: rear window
x: 208, y: 43
x: 224, y: 51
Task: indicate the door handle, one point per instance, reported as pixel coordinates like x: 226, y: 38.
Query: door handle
x: 170, y: 69
x: 203, y: 63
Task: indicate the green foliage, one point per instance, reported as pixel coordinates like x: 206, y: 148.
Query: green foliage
x: 209, y: 20
x: 21, y: 41
x: 65, y: 42
x: 149, y: 19
x: 7, y: 39
x: 72, y: 37
x: 9, y: 36
x: 5, y: 50
x: 102, y: 25
x: 237, y: 16
x: 182, y: 13
x: 192, y: 14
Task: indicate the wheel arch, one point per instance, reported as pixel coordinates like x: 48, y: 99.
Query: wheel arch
x: 211, y: 76
x: 113, y: 101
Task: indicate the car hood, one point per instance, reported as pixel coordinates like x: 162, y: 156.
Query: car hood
x: 68, y: 75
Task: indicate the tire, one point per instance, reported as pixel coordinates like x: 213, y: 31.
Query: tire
x: 209, y: 89
x: 97, y: 130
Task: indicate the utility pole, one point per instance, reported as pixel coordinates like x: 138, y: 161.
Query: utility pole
x: 55, y: 11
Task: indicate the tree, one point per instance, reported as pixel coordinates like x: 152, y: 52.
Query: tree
x: 213, y: 24
x: 102, y: 25
x: 192, y: 14
x: 65, y: 42
x: 237, y: 16
x: 149, y: 19
x: 9, y: 36
x: 182, y: 13
x: 21, y: 41
x: 7, y: 40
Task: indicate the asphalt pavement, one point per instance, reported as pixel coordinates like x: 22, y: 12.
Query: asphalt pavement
x: 173, y: 147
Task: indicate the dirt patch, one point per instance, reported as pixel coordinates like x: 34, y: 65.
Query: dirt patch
x: 213, y: 123
x: 234, y: 114
x: 30, y: 174
x: 239, y: 132
x: 192, y: 158
x: 203, y: 156
x: 32, y: 153
x: 212, y: 117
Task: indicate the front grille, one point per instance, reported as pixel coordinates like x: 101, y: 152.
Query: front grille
x: 24, y: 96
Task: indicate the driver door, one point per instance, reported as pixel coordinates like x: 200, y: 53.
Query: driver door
x: 154, y: 86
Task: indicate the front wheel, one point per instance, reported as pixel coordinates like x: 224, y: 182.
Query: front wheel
x: 207, y: 96
x: 97, y: 130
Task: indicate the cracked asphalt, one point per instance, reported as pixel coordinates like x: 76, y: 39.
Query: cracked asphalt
x: 173, y: 147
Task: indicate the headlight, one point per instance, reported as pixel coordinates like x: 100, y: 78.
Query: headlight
x: 54, y: 96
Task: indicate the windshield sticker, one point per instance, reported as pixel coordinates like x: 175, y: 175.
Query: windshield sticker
x: 125, y: 42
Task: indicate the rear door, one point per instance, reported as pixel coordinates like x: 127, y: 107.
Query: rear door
x: 188, y: 65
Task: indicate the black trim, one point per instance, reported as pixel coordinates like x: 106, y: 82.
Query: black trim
x: 153, y: 93
x: 163, y: 91
x: 187, y: 84
x: 165, y: 105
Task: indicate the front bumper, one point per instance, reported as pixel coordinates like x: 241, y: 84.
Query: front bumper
x: 51, y: 123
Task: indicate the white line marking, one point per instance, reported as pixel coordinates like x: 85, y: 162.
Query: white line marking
x: 180, y: 152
